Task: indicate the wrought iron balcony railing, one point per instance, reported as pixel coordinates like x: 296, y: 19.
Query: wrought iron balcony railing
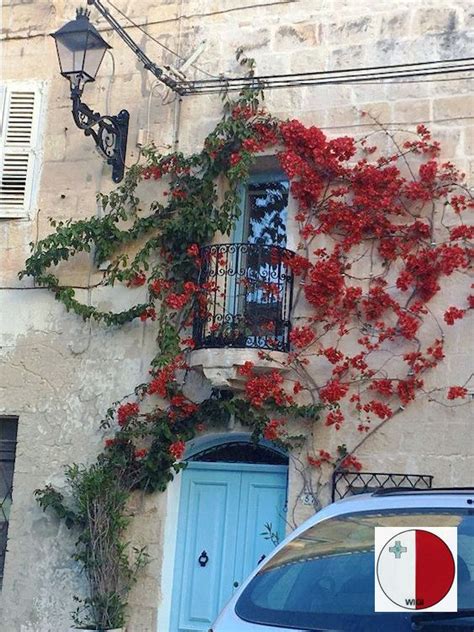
x: 247, y: 297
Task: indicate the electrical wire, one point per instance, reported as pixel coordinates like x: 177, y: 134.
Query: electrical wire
x: 157, y: 41
x: 111, y: 80
x: 398, y: 126
x: 390, y: 68
x: 193, y: 88
x: 332, y: 77
x: 417, y: 81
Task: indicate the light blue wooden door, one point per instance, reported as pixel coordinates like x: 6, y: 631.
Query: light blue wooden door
x: 223, y: 510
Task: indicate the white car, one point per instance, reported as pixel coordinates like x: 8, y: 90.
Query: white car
x: 322, y: 577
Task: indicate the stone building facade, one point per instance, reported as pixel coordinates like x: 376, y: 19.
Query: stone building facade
x: 59, y: 375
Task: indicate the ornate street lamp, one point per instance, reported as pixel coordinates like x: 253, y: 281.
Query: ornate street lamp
x: 80, y: 50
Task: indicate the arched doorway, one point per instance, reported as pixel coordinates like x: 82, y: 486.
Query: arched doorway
x: 230, y: 491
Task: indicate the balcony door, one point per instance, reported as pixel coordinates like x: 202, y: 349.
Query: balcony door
x: 258, y: 294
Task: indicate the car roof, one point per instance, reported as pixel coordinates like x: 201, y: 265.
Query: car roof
x: 396, y: 498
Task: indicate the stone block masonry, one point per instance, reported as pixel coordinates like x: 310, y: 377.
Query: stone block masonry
x: 60, y: 375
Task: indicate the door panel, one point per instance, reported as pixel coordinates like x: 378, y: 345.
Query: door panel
x: 211, y: 526
x: 263, y: 500
x: 223, y: 510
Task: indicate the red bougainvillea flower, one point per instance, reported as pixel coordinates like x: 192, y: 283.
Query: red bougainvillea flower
x: 165, y: 377
x: 177, y: 449
x: 188, y: 343
x: 262, y: 388
x: 109, y: 443
x: 235, y: 159
x: 141, y: 454
x: 334, y: 418
x: 381, y: 410
x: 176, y: 301
x: 436, y: 350
x: 185, y: 408
x: 333, y: 391
x: 179, y: 194
x: 193, y: 250
x: 302, y: 336
x: 298, y: 264
x: 408, y: 325
x: 152, y: 172
x: 325, y: 284
x: 125, y: 411
x: 324, y: 457
x: 452, y: 314
x: 244, y: 112
x: 384, y: 387
x: 455, y: 392
x: 137, y: 280
x: 406, y: 389
x: 351, y: 462
x: 272, y: 429
x: 159, y: 285
x: 333, y: 355
x: 246, y: 368
x: 149, y: 313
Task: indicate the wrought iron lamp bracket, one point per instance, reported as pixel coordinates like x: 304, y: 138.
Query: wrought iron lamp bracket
x: 109, y: 132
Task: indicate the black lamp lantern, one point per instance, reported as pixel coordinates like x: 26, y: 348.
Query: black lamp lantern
x: 81, y: 49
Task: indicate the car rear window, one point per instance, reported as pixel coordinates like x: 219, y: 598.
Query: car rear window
x: 325, y: 577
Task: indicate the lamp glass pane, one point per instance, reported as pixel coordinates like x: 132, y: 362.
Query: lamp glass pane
x: 92, y: 61
x: 71, y: 58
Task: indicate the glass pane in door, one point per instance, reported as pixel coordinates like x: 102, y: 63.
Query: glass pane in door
x: 259, y: 294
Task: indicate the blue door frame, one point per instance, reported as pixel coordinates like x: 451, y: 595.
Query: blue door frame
x: 223, y: 511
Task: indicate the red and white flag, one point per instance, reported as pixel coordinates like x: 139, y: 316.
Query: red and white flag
x: 415, y: 569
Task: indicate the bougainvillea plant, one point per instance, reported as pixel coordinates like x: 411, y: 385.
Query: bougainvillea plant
x: 379, y: 232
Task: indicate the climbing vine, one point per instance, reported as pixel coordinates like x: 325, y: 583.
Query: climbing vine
x: 381, y: 225
x: 377, y: 235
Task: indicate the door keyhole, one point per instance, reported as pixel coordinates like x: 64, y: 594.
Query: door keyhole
x: 236, y: 584
x: 203, y: 559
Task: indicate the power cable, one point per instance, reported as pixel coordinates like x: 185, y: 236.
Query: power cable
x: 298, y: 83
x: 331, y: 77
x: 415, y: 65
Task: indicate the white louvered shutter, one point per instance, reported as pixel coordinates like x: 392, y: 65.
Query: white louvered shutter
x: 19, y: 149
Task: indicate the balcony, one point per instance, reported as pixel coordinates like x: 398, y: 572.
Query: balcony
x: 246, y: 306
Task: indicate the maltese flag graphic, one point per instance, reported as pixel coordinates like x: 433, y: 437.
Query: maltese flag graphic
x: 415, y: 569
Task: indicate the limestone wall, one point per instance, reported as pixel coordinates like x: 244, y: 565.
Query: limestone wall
x: 60, y: 375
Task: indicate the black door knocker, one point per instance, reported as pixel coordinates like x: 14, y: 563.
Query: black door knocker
x: 203, y: 559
